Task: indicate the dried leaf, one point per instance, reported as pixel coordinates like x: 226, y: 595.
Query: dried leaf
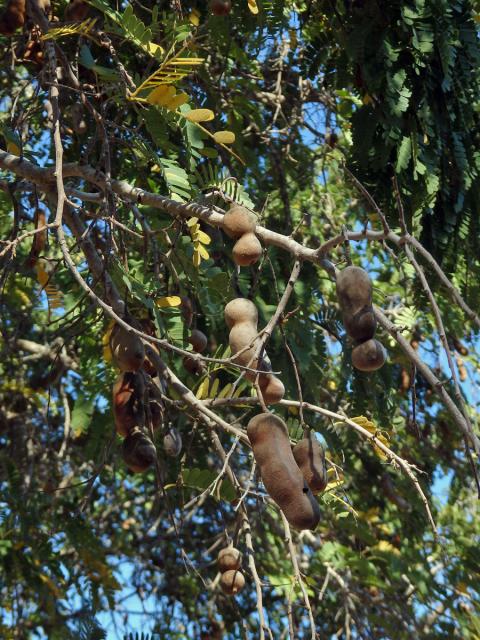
x: 199, y: 115
x: 224, y: 137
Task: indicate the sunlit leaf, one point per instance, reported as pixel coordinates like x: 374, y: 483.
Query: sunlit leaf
x: 199, y: 115
x: 224, y: 137
x: 168, y: 301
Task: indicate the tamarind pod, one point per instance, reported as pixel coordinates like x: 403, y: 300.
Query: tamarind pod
x: 361, y: 325
x: 76, y: 11
x: 229, y: 559
x: 172, y: 443
x: 127, y: 400
x: 272, y: 388
x: 232, y: 582
x: 369, y: 356
x: 77, y: 118
x: 281, y: 476
x: 310, y: 457
x: 139, y: 452
x: 242, y: 335
x: 186, y: 307
x: 39, y: 239
x: 354, y: 288
x: 13, y: 17
x: 247, y: 250
x: 220, y: 7
x: 148, y: 327
x: 198, y: 340
x: 193, y: 366
x: 240, y: 310
x: 238, y: 221
x: 128, y: 352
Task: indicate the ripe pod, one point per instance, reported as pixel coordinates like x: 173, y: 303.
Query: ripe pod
x: 240, y: 310
x: 281, y: 476
x: 369, y: 356
x: 247, y: 250
x: 139, y: 451
x: 354, y: 292
x: 172, y: 443
x: 128, y: 402
x: 310, y: 457
x: 232, y: 582
x: 192, y: 365
x: 77, y: 116
x: 148, y: 327
x: 186, y: 308
x: 237, y: 221
x: 220, y: 7
x: 13, y: 17
x: 229, y: 559
x: 198, y: 340
x: 272, y: 388
x: 128, y: 352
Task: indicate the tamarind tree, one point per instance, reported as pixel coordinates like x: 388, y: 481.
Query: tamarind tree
x: 211, y: 212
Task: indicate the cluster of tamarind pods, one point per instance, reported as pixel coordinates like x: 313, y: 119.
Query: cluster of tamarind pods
x: 229, y: 562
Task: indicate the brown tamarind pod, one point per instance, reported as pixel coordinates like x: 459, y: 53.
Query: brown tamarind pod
x: 232, y: 582
x: 310, y: 457
x: 148, y: 327
x: 238, y: 221
x: 76, y: 11
x: 354, y: 292
x: 247, y: 250
x: 198, y: 340
x: 128, y: 352
x: 186, y: 308
x: 404, y: 380
x: 240, y: 310
x: 272, y: 388
x: 139, y: 451
x: 172, y: 442
x: 193, y: 366
x: 369, y: 356
x: 229, y: 559
x: 220, y: 7
x: 128, y: 409
x: 13, y: 17
x: 77, y: 118
x: 462, y: 370
x: 281, y: 476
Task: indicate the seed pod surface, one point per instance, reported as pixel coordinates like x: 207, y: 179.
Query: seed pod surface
x: 361, y: 325
x: 247, y: 250
x: 240, y: 310
x: 310, y: 457
x: 238, y: 221
x: 172, y: 443
x: 354, y: 290
x: 198, y: 340
x: 229, y: 559
x: 128, y: 352
x: 272, y: 388
x: 369, y: 356
x: 128, y: 402
x: 281, y: 476
x: 232, y: 582
x: 139, y: 451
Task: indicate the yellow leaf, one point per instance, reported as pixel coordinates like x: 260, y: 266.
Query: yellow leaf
x: 252, y: 5
x: 225, y: 391
x: 196, y: 259
x: 202, y: 391
x: 333, y: 485
x: 168, y: 301
x: 177, y: 101
x: 194, y: 17
x: 191, y: 222
x: 153, y: 48
x: 203, y: 237
x: 199, y: 115
x: 162, y: 95
x: 214, y: 388
x: 13, y: 148
x: 202, y: 251
x: 386, y: 546
x: 224, y: 137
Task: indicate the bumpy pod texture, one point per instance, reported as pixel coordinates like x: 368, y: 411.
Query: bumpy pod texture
x: 232, y: 582
x: 13, y: 17
x: 139, y: 451
x: 128, y: 409
x: 229, y: 559
x: 247, y: 250
x: 281, y: 476
x: 128, y: 352
x: 354, y: 291
x: 237, y: 221
x: 310, y: 457
x: 368, y: 356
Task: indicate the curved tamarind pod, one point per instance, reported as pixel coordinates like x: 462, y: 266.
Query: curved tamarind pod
x: 281, y: 476
x: 247, y: 250
x: 354, y: 292
x: 229, y: 559
x: 148, y: 327
x: 192, y: 365
x: 232, y: 582
x: 139, y: 451
x: 128, y: 352
x: 13, y: 17
x: 272, y: 388
x: 369, y: 356
x: 198, y: 340
x: 172, y: 443
x: 76, y: 11
x: 238, y: 221
x: 310, y: 457
x: 240, y: 310
x: 128, y: 410
x: 155, y: 404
